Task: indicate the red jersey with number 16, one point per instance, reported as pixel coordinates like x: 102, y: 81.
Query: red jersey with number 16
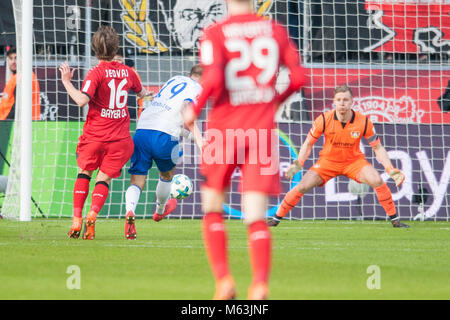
x: 107, y: 85
x: 241, y: 57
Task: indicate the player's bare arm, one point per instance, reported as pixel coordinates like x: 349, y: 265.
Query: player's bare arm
x: 79, y: 97
x: 189, y: 116
x: 383, y: 158
x: 193, y: 128
x: 198, y: 138
x: 144, y: 93
x: 194, y: 135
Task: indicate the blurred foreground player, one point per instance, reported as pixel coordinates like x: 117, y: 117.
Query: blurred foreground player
x: 105, y: 143
x: 343, y: 129
x: 241, y: 56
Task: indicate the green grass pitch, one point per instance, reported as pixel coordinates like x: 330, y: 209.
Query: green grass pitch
x: 311, y: 260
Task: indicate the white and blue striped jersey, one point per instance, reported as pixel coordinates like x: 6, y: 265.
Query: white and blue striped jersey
x: 163, y: 113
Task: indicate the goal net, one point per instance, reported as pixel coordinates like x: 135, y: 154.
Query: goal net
x: 393, y: 55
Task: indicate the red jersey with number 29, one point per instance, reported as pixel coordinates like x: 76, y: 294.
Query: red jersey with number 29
x: 241, y: 57
x: 107, y: 86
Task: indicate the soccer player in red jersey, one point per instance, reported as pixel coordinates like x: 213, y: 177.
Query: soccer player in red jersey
x: 343, y: 129
x: 106, y: 142
x: 241, y: 56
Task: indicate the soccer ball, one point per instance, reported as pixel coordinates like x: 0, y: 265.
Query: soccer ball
x: 181, y: 186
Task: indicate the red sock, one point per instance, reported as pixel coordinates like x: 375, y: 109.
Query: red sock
x: 260, y: 248
x: 384, y: 196
x: 290, y: 201
x: 99, y: 195
x: 80, y: 193
x: 215, y: 240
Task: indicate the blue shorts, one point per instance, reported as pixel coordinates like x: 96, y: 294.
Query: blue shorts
x: 153, y: 145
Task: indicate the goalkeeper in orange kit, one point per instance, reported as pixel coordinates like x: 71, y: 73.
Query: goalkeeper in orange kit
x: 343, y: 129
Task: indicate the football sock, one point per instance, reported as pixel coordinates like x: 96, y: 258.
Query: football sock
x: 259, y: 239
x: 162, y: 195
x: 99, y: 195
x: 215, y: 240
x: 80, y: 193
x: 385, y: 198
x: 290, y: 201
x: 132, y: 197
x: 394, y: 217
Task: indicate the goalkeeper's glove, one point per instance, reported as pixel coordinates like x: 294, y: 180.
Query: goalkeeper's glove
x: 295, y: 167
x: 396, y: 175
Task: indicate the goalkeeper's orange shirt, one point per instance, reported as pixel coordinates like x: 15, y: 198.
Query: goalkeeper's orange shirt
x: 9, y: 98
x: 342, y: 139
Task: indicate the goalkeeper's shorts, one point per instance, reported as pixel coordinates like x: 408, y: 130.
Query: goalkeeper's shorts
x: 110, y: 157
x: 328, y: 169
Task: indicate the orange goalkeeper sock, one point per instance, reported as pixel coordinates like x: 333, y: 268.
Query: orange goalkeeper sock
x: 384, y: 196
x: 290, y: 201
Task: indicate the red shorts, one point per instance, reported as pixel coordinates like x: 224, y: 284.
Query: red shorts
x: 110, y: 157
x: 257, y: 158
x: 330, y: 169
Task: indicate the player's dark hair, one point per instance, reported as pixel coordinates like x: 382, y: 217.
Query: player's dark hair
x: 105, y: 43
x: 343, y: 88
x: 11, y: 50
x: 196, y: 70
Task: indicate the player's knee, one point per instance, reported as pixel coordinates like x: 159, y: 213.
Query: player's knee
x: 378, y: 182
x: 212, y: 200
x: 138, y: 180
x: 101, y: 176
x: 166, y: 176
x: 211, y: 207
x: 85, y: 172
x: 301, y: 187
x: 250, y: 219
x: 375, y: 181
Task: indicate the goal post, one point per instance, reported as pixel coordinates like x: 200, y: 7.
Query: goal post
x: 25, y: 59
x: 18, y: 193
